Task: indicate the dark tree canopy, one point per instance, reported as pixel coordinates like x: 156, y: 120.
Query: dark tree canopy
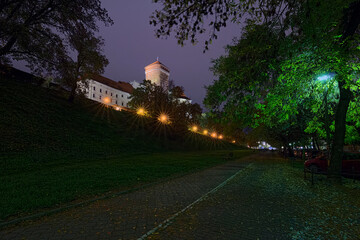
x: 36, y: 31
x: 89, y: 59
x: 190, y: 18
x: 155, y: 100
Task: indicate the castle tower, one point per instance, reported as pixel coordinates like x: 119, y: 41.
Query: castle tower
x: 158, y: 73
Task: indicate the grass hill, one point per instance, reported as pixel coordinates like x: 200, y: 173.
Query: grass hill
x: 52, y: 151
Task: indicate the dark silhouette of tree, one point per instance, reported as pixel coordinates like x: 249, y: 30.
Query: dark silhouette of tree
x: 37, y: 31
x: 156, y: 101
x: 177, y: 91
x: 89, y: 59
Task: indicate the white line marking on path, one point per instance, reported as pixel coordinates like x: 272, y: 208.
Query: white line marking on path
x: 168, y: 221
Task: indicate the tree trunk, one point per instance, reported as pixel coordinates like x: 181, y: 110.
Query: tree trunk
x: 327, y: 125
x: 339, y: 135
x: 314, y: 143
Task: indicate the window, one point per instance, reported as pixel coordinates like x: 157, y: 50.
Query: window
x: 116, y: 95
x: 100, y: 89
x: 110, y: 94
x: 116, y: 102
x: 122, y: 95
x: 106, y: 92
x: 99, y: 97
x: 122, y: 104
x: 94, y: 88
x: 93, y: 95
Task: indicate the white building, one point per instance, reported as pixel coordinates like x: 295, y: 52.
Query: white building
x: 117, y: 94
x: 158, y: 74
x: 184, y: 99
x: 107, y: 91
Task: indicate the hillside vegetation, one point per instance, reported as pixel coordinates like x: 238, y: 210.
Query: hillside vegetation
x: 53, y: 151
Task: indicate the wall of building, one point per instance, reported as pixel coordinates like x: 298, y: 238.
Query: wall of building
x: 100, y: 92
x: 157, y: 75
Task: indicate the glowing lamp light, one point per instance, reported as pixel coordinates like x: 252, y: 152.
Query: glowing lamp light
x: 194, y: 128
x: 141, y: 111
x: 324, y: 77
x: 107, y: 100
x: 163, y: 118
x: 214, y: 135
x: 117, y: 109
x: 221, y: 136
x: 205, y: 132
x: 233, y: 141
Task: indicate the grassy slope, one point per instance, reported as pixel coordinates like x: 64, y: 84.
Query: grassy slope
x: 53, y: 152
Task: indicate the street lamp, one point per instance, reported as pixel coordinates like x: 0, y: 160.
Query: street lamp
x: 107, y: 100
x: 163, y: 118
x: 194, y: 128
x: 141, y: 111
x: 324, y: 77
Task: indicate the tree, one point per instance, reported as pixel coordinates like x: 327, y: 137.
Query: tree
x: 156, y: 101
x: 36, y: 31
x: 189, y: 18
x: 177, y: 91
x: 322, y: 36
x: 89, y: 59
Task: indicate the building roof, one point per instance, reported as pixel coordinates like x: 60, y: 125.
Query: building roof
x: 122, y: 86
x: 158, y: 63
x: 184, y: 96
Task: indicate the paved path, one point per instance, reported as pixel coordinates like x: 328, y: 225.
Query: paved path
x: 239, y: 210
x: 129, y: 216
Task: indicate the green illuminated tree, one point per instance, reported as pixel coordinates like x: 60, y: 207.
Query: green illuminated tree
x: 308, y: 38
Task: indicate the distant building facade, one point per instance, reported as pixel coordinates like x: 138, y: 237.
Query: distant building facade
x: 118, y: 94
x: 158, y: 74
x: 107, y: 91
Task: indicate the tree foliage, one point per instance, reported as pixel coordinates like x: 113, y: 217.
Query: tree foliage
x: 190, y: 18
x: 156, y: 101
x: 88, y: 61
x: 268, y: 77
x: 38, y: 31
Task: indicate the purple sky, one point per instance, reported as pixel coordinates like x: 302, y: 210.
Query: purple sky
x: 130, y: 45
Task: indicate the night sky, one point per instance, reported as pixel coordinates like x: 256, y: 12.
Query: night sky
x: 130, y: 45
